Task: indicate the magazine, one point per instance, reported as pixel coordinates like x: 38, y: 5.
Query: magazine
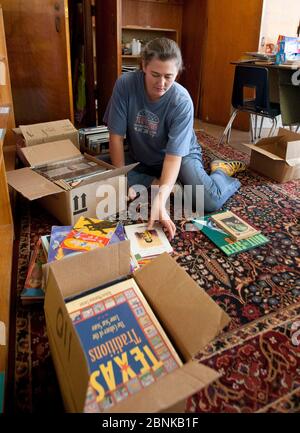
x: 125, y: 345
x: 223, y: 241
x: 235, y: 226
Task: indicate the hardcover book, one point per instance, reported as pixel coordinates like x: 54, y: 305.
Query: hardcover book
x: 235, y: 226
x: 223, y: 241
x: 125, y: 345
x: 145, y: 243
x: 58, y: 233
x: 87, y: 234
x: 33, y: 288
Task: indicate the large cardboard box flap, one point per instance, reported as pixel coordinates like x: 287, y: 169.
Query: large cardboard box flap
x: 49, y: 152
x: 180, y: 384
x: 49, y: 131
x: 179, y: 300
x: 76, y: 274
x: 30, y: 184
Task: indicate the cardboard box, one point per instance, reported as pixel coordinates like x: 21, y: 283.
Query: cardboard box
x: 39, y: 133
x: 277, y: 157
x: 188, y: 315
x: 67, y: 206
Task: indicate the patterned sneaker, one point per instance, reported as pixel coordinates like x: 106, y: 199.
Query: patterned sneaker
x: 229, y: 167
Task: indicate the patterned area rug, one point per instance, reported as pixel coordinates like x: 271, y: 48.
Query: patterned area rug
x: 258, y: 354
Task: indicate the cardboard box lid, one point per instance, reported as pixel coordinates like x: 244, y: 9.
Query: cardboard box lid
x: 30, y: 184
x: 50, y: 152
x: 184, y: 309
x: 78, y: 273
x: 283, y: 147
x: 41, y: 132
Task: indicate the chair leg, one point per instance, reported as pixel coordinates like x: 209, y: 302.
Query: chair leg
x: 261, y: 125
x: 227, y: 130
x: 255, y: 126
x: 274, y: 126
x: 297, y: 128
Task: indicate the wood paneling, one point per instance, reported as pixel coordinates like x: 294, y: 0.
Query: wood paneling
x: 192, y: 42
x: 6, y: 224
x: 155, y: 14
x: 233, y: 27
x: 37, y: 35
x: 108, y: 50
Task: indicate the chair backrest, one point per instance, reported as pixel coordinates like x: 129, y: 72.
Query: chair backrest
x: 253, y: 77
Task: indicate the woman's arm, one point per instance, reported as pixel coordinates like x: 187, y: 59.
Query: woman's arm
x: 171, y: 167
x: 116, y: 150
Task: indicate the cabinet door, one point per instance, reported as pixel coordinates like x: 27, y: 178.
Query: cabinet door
x: 37, y: 35
x: 233, y: 27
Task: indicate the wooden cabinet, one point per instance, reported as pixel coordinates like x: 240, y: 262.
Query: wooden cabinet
x: 6, y: 224
x: 37, y: 34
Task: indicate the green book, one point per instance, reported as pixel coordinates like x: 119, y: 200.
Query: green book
x: 2, y: 377
x: 223, y: 240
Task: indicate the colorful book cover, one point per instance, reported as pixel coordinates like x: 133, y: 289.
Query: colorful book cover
x: 58, y: 233
x: 33, y: 288
x: 147, y: 242
x: 125, y: 345
x: 235, y: 226
x: 223, y: 241
x: 87, y: 234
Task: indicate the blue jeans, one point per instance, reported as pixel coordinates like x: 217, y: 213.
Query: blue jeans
x: 218, y: 187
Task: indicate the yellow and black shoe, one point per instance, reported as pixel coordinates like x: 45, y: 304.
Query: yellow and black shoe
x: 228, y: 167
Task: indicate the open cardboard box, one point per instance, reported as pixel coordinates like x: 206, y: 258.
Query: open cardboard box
x: 277, y: 157
x: 83, y: 200
x: 188, y: 315
x: 30, y: 135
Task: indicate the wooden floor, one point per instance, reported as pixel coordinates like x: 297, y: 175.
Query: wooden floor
x: 237, y: 137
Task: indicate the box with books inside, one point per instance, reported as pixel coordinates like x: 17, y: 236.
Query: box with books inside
x: 124, y: 343
x: 69, y: 184
x: 236, y: 227
x: 223, y: 241
x: 111, y: 354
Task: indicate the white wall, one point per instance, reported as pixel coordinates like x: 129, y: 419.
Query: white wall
x: 279, y: 17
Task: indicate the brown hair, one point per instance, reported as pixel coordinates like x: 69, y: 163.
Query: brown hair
x: 162, y: 49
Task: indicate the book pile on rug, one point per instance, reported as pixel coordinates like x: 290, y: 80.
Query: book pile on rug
x: 85, y: 235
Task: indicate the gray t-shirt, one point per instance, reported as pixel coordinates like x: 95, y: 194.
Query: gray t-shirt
x: 152, y: 129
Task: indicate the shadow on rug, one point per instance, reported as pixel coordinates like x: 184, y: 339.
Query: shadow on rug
x: 258, y: 354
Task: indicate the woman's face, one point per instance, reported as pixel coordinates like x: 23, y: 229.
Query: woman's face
x: 159, y: 77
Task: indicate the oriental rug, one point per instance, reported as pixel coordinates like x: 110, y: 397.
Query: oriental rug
x: 258, y: 354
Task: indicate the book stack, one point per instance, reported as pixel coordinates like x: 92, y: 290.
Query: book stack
x: 94, y: 140
x: 230, y: 232
x: 125, y: 345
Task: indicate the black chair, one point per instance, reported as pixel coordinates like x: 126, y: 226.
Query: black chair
x: 254, y: 77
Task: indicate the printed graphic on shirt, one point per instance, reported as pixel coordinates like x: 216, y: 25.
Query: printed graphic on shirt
x: 146, y: 123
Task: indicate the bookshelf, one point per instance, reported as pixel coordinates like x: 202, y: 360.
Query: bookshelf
x: 144, y: 34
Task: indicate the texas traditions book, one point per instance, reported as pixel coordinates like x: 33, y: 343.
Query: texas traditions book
x: 126, y: 347
x: 235, y: 226
x: 224, y: 241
